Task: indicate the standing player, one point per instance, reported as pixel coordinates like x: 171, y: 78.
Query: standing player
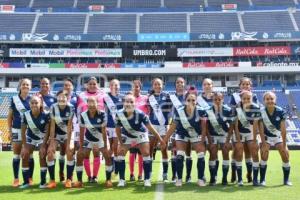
x: 19, y: 104
x: 273, y: 126
x: 177, y: 101
x: 93, y: 135
x: 220, y: 126
x: 142, y: 105
x: 246, y: 129
x: 112, y: 103
x: 131, y: 123
x: 245, y: 85
x: 160, y: 106
x: 45, y: 93
x: 205, y: 100
x: 190, y: 126
x: 61, y: 114
x: 92, y: 90
x: 35, y: 133
x: 72, y: 139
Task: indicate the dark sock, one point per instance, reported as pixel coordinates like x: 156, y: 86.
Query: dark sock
x: 79, y: 173
x: 25, y: 173
x: 108, y: 172
x: 239, y: 170
x: 31, y: 167
x: 165, y: 164
x: 286, y: 173
x: 147, y: 162
x: 61, y: 165
x: 217, y: 167
x: 225, y: 169
x: 201, y: 168
x: 189, y: 164
x: 249, y: 167
x: 173, y: 165
x: 121, y: 166
x: 263, y: 171
x: 179, y: 166
x: 70, y: 169
x: 51, y: 169
x: 212, y: 171
x: 43, y: 174
x: 16, y: 167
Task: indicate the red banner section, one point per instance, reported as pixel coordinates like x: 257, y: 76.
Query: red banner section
x: 209, y: 64
x: 111, y: 65
x: 83, y: 65
x: 4, y: 65
x: 262, y: 51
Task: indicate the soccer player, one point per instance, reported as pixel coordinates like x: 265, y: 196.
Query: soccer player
x: 61, y: 114
x: 91, y: 90
x: 189, y: 124
x: 160, y: 106
x: 93, y: 135
x: 220, y: 126
x: 72, y: 140
x: 131, y: 124
x: 35, y: 133
x: 142, y: 105
x: 19, y: 104
x: 45, y: 93
x: 273, y: 126
x: 246, y: 129
x: 177, y: 101
x: 205, y: 100
x: 112, y: 103
x: 245, y: 84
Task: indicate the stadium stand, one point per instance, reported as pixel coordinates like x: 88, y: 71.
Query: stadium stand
x: 267, y: 21
x: 21, y: 22
x: 163, y: 23
x: 112, y: 23
x: 53, y: 3
x: 214, y: 22
x: 61, y: 23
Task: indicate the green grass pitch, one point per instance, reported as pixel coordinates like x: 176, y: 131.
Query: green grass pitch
x: 135, y: 190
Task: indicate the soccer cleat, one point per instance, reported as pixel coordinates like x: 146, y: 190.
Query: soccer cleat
x: 255, y: 183
x: 140, y: 178
x: 90, y: 179
x: 68, y: 183
x: 121, y: 183
x: 43, y: 186
x: 108, y: 184
x: 201, y: 183
x: 94, y: 180
x: 240, y: 183
x: 51, y: 185
x: 174, y: 179
x: 224, y: 182
x: 288, y: 183
x: 147, y: 183
x: 78, y: 184
x: 132, y: 178
x: 165, y: 178
x: 30, y: 182
x: 212, y: 183
x: 178, y: 183
x: 61, y: 177
x: 16, y: 183
x: 249, y: 178
x: 24, y: 186
x: 263, y: 183
x: 188, y: 179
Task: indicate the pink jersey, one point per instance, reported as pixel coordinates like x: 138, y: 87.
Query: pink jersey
x: 82, y: 100
x: 141, y: 103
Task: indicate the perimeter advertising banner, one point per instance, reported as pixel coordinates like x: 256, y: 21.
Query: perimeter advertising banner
x: 64, y: 53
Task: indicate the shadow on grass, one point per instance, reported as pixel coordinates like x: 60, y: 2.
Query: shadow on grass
x: 135, y: 188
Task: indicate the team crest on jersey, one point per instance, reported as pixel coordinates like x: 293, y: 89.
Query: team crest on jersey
x: 52, y: 100
x: 277, y: 118
x: 98, y: 120
x: 42, y: 121
x: 253, y: 115
x: 163, y: 98
x: 67, y: 114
